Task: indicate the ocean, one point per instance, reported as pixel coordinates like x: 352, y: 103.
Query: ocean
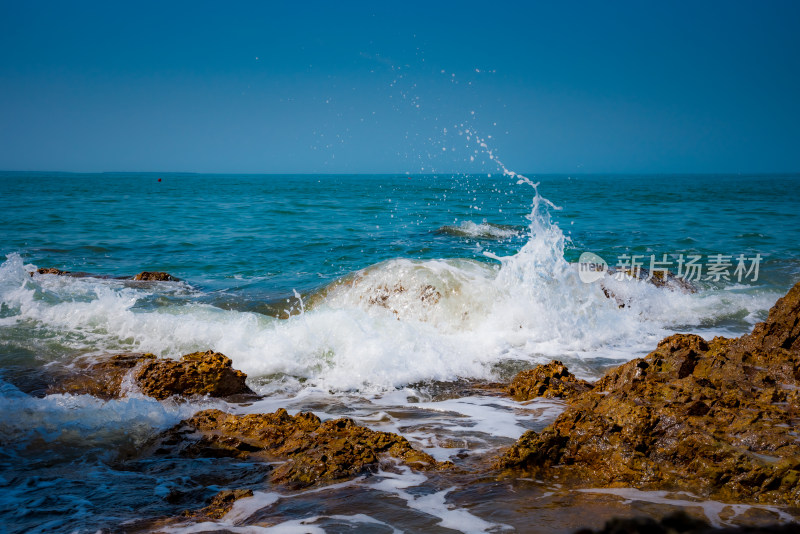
x: 372, y: 296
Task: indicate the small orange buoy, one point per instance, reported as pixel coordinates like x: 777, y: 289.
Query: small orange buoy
x: 159, y: 179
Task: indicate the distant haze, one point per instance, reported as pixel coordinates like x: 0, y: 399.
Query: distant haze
x: 372, y: 87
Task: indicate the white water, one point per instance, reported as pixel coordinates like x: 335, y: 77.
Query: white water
x: 393, y: 484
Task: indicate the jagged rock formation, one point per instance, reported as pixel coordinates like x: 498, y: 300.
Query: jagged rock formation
x: 717, y: 418
x: 313, y: 451
x: 200, y: 373
x: 552, y: 380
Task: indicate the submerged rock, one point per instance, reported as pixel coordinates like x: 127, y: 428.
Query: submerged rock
x: 484, y: 230
x: 385, y: 296
x: 220, y: 504
x: 552, y: 380
x: 155, y: 276
x: 667, y: 280
x: 716, y: 418
x: 102, y: 379
x: 681, y: 523
x: 200, y: 373
x: 49, y: 270
x: 144, y: 276
x: 313, y: 451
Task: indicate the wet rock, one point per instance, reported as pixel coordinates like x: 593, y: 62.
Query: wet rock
x: 312, y: 451
x: 102, y: 379
x: 681, y: 523
x: 662, y: 279
x: 49, y: 270
x: 429, y: 295
x: 716, y: 418
x: 388, y: 297
x: 552, y: 380
x: 200, y: 373
x: 669, y: 280
x: 220, y: 504
x: 146, y: 276
x: 155, y: 276
x: 665, y: 279
x: 383, y: 293
x: 781, y: 330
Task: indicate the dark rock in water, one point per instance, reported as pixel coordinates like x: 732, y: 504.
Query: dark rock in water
x: 102, y: 379
x: 155, y: 276
x: 550, y: 381
x: 716, y: 418
x: 220, y: 504
x: 667, y: 280
x: 484, y: 230
x: 681, y: 523
x: 781, y: 330
x: 49, y: 270
x: 314, y: 451
x: 200, y: 373
x: 146, y: 276
x: 611, y: 295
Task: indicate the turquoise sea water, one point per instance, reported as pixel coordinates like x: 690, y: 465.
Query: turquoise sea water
x: 346, y: 295
x: 303, y: 230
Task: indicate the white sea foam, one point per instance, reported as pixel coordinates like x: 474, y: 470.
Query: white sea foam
x: 393, y: 483
x: 85, y: 419
x: 492, y: 416
x: 292, y: 526
x: 433, y: 504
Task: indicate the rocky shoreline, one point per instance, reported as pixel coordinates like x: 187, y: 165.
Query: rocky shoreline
x: 716, y: 418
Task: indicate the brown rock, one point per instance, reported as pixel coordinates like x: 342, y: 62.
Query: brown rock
x: 50, y: 270
x: 681, y: 523
x: 220, y: 504
x: 552, y: 380
x: 668, y: 280
x: 716, y: 418
x: 200, y: 373
x: 155, y: 276
x: 782, y: 327
x: 102, y: 379
x: 314, y: 451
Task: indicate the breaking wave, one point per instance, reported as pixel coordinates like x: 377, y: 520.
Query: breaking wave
x: 394, y: 323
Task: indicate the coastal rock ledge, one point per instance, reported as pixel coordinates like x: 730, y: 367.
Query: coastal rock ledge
x: 312, y: 451
x: 199, y: 373
x: 551, y: 381
x: 715, y: 417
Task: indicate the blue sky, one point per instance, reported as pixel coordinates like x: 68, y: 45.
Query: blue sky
x: 270, y: 87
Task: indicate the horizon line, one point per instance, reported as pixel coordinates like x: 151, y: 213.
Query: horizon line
x: 462, y: 173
